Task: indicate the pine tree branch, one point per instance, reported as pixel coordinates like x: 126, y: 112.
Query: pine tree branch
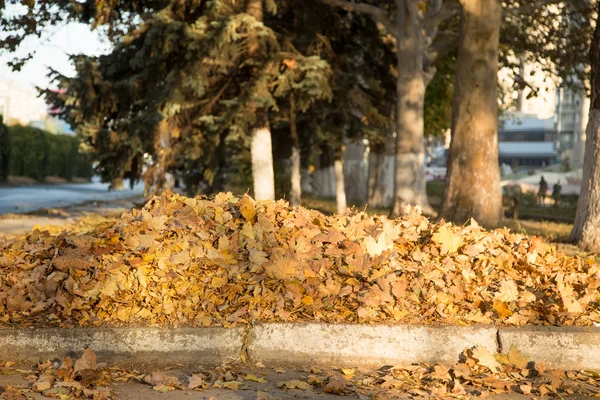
x: 367, y: 9
x: 210, y: 105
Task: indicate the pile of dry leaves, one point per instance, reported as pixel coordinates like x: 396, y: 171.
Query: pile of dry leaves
x: 227, y: 261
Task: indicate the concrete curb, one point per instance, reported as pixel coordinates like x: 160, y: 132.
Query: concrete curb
x: 305, y: 344
x: 184, y: 345
x: 556, y: 347
x: 372, y: 345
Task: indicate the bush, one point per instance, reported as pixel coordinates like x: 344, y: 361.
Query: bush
x: 37, y: 154
x: 4, y: 151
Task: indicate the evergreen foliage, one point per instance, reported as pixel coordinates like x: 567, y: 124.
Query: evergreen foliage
x: 180, y: 92
x: 363, y: 82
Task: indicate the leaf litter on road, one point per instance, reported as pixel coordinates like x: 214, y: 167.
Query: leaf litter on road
x: 470, y: 377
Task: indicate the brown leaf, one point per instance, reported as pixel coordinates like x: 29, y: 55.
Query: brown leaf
x: 336, y: 385
x: 265, y: 396
x: 87, y: 361
x: 63, y: 263
x: 196, y: 381
x: 158, y: 378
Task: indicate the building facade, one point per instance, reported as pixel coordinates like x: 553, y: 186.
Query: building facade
x: 20, y: 106
x: 542, y: 128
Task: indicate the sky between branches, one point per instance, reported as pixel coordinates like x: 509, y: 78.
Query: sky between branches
x: 52, y: 50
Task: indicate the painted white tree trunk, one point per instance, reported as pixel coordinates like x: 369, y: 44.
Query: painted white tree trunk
x: 262, y: 164
x: 260, y: 141
x: 340, y: 186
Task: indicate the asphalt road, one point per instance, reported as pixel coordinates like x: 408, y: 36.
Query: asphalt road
x: 30, y: 198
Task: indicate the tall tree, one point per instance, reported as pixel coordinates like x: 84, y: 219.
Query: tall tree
x: 586, y: 229
x: 361, y: 80
x: 192, y: 87
x: 553, y: 32
x: 261, y: 147
x: 414, y: 29
x: 473, y: 178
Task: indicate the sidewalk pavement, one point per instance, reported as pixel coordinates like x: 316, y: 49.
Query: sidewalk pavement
x: 65, y: 216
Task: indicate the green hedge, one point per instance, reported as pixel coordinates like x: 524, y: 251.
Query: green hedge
x: 37, y: 154
x: 4, y: 151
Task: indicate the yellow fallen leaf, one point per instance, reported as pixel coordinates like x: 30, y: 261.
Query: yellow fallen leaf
x: 376, y: 247
x: 307, y: 301
x: 448, y: 240
x: 486, y: 359
x: 247, y: 207
x: 513, y: 357
x: 294, y: 384
x: 218, y: 282
x: 180, y: 258
x: 163, y: 388
x: 254, y: 378
x: 502, y: 309
x: 508, y: 291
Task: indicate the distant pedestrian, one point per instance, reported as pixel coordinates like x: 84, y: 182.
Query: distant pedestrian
x: 556, y: 193
x: 543, y: 190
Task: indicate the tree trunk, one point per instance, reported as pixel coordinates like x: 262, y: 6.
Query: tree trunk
x: 260, y: 143
x: 473, y: 177
x: 296, y: 177
x: 263, y: 176
x: 375, y: 189
x: 586, y: 229
x: 340, y: 186
x: 409, y: 171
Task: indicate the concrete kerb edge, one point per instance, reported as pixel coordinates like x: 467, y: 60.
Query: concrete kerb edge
x: 135, y: 345
x: 305, y: 344
x: 557, y: 347
x: 365, y: 345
